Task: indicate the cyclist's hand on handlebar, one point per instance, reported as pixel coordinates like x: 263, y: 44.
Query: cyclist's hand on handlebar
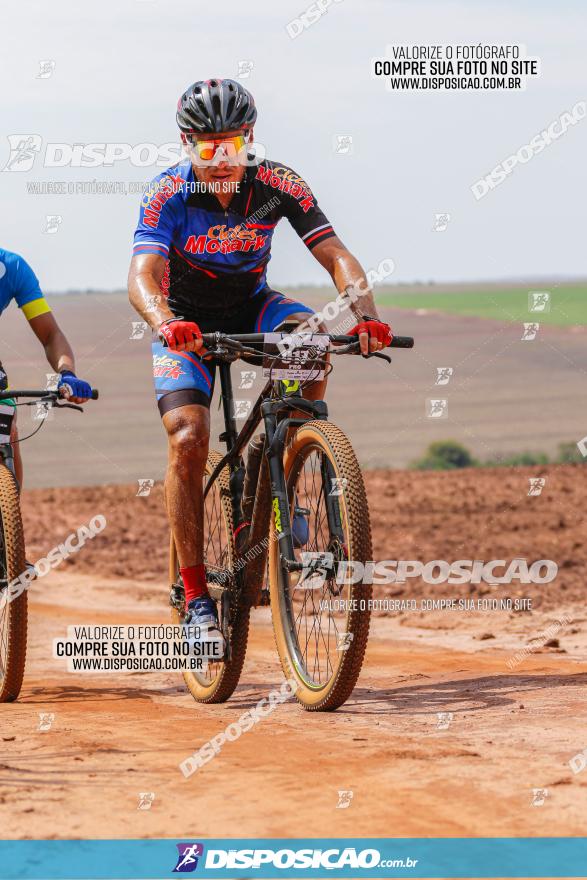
x: 73, y: 389
x: 373, y: 334
x: 181, y: 335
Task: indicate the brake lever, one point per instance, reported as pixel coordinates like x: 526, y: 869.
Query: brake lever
x: 229, y: 348
x: 68, y: 406
x: 377, y: 354
x: 212, y: 352
x: 344, y: 349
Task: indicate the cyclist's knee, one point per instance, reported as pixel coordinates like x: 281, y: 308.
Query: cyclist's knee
x: 188, y: 441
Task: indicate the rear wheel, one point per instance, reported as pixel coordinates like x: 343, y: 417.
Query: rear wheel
x: 13, y: 604
x: 217, y: 681
x: 322, y: 625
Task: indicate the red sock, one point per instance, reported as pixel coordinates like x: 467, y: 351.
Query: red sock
x: 194, y: 582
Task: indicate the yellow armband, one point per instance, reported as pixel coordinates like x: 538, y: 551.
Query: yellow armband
x: 35, y: 308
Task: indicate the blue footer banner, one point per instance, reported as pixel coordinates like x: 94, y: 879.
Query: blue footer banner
x: 312, y: 857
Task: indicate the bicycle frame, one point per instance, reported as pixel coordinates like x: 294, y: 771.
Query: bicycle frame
x: 273, y: 412
x: 276, y: 414
x: 6, y: 451
x: 7, y: 457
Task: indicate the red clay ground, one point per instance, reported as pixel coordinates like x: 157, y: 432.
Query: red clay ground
x: 513, y: 729
x: 481, y: 513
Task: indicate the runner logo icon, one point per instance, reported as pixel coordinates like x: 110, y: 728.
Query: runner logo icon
x: 23, y: 151
x: 188, y: 855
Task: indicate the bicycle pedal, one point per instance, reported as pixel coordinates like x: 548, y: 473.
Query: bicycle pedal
x: 177, y: 598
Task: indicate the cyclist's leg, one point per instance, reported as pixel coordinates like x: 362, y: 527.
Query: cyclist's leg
x: 183, y: 384
x: 188, y: 430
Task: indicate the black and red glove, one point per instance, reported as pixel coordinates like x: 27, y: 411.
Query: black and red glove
x: 177, y: 333
x: 375, y: 329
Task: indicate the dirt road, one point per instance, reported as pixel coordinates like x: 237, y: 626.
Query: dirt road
x: 114, y: 737
x: 517, y: 697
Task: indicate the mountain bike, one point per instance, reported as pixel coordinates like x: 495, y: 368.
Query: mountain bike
x: 302, y: 469
x: 15, y: 574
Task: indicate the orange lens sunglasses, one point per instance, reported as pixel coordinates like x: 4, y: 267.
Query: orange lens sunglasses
x: 206, y: 149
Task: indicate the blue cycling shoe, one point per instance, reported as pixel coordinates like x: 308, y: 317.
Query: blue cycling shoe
x: 202, y: 613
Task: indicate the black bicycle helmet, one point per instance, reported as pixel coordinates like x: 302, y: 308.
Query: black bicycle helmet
x: 215, y: 105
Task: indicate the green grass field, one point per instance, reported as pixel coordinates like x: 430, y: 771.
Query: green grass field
x: 568, y: 303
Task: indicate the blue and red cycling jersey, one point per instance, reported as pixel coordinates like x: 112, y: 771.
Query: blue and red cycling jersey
x: 217, y: 258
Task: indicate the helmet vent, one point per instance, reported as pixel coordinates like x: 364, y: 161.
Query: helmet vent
x: 216, y: 105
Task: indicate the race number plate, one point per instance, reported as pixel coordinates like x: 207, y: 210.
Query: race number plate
x: 299, y: 357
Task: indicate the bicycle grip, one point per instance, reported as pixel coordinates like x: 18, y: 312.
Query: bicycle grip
x: 402, y: 342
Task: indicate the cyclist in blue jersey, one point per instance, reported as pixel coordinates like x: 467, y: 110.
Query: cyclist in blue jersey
x: 200, y: 256
x: 18, y: 282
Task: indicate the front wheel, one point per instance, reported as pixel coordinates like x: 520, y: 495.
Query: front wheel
x: 321, y: 623
x: 13, y: 596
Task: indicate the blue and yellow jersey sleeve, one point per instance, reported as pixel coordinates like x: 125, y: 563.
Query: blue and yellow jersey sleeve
x: 27, y: 292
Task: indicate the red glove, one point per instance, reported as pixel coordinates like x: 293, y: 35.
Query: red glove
x: 178, y: 333
x: 374, y: 328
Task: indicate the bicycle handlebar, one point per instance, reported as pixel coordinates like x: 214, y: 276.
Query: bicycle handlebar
x: 212, y: 339
x: 396, y: 341
x: 43, y: 393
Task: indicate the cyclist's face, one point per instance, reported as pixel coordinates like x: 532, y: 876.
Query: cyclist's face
x: 218, y: 157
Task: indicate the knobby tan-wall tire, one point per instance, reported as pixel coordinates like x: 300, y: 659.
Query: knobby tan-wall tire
x: 13, y: 614
x: 326, y: 437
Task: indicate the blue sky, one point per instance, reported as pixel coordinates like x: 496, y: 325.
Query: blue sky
x: 120, y: 66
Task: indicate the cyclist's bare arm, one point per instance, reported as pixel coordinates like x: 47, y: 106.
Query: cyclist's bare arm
x: 347, y: 274
x: 144, y: 293
x: 57, y: 349
x: 144, y: 289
